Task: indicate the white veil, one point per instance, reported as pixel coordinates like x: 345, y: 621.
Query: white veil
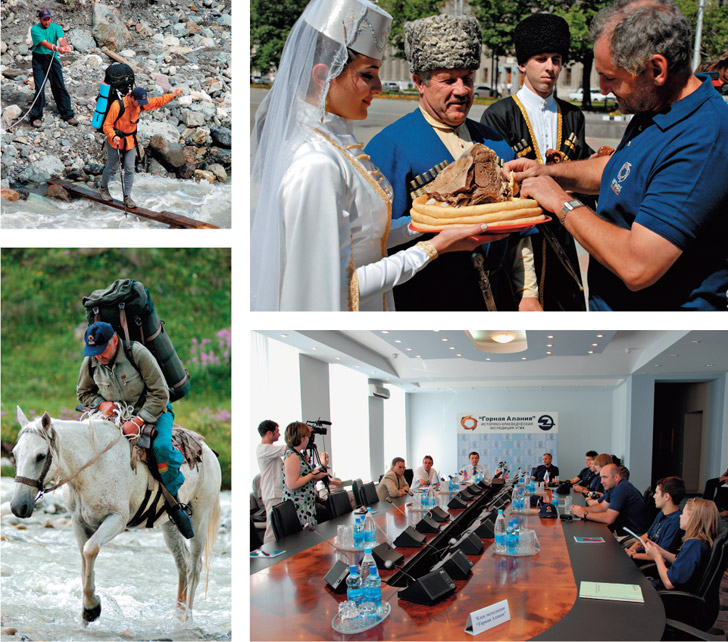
x: 355, y: 24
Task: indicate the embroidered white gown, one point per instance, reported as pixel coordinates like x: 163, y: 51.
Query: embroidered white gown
x: 337, y: 224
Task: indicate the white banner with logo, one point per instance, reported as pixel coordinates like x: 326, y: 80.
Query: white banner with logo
x: 518, y: 438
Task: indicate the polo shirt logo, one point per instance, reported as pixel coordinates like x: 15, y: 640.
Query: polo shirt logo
x: 621, y: 177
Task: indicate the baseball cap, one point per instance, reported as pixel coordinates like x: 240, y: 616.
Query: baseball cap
x: 44, y: 13
x: 97, y: 337
x: 140, y: 95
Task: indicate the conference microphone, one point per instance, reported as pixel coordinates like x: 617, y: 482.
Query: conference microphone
x: 388, y: 564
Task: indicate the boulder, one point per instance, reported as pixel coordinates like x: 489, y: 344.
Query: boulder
x: 93, y: 61
x: 93, y: 169
x: 163, y: 83
x: 156, y: 168
x: 108, y: 28
x: 184, y: 100
x: 169, y: 154
x: 9, y: 194
x: 23, y: 49
x: 128, y: 53
x: 44, y: 168
x: 149, y: 128
x: 218, y: 155
x: 57, y: 192
x: 222, y: 136
x: 82, y: 40
x: 200, y: 136
x: 193, y: 119
x: 11, y: 113
x: 170, y: 41
x: 218, y: 170
x: 203, y: 174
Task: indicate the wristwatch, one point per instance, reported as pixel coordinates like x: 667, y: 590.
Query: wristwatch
x: 570, y: 205
x: 586, y: 512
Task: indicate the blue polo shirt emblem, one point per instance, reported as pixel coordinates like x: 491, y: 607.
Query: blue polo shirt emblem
x: 621, y: 176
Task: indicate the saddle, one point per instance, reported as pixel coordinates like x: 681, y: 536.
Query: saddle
x: 188, y: 442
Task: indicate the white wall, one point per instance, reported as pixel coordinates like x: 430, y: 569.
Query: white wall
x: 585, y: 421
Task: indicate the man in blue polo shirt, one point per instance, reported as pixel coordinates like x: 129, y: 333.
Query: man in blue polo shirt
x: 540, y: 472
x: 622, y: 505
x: 585, y: 476
x: 658, y: 238
x: 48, y: 42
x: 665, y: 530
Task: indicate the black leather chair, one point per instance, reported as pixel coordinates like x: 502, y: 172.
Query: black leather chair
x: 369, y: 494
x: 409, y: 475
x: 339, y: 503
x: 700, y: 609
x: 256, y: 541
x: 356, y: 490
x: 285, y: 519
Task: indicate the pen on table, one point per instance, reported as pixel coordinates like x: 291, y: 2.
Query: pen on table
x: 264, y: 553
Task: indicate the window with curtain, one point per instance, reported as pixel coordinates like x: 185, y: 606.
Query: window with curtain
x: 395, y: 427
x: 275, y: 388
x: 350, y: 417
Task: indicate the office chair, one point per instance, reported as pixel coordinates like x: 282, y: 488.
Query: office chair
x: 285, y: 519
x: 369, y: 494
x: 356, y: 491
x: 700, y: 609
x: 257, y: 512
x: 409, y: 475
x: 256, y: 541
x: 339, y: 503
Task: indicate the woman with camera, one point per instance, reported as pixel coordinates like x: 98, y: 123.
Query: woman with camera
x: 299, y: 476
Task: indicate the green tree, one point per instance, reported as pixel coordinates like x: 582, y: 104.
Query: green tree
x: 405, y: 11
x: 270, y: 23
x: 714, y: 41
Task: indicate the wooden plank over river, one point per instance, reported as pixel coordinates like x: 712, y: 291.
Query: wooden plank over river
x: 168, y: 218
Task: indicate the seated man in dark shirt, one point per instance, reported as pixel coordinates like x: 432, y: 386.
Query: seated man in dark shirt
x: 595, y: 485
x: 586, y: 474
x: 622, y: 505
x: 540, y: 473
x: 665, y: 530
x: 699, y: 520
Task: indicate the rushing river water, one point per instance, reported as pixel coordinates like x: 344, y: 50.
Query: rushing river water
x: 201, y: 201
x: 136, y: 580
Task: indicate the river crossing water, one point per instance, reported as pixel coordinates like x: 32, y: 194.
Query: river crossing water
x: 135, y: 578
x: 198, y: 200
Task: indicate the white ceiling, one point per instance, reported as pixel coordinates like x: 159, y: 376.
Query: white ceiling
x: 419, y: 360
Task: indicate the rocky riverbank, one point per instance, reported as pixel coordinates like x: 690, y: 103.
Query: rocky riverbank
x: 170, y: 43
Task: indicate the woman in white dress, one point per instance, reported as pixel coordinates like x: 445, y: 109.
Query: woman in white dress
x: 320, y: 210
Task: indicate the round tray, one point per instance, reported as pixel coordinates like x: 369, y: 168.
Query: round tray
x: 349, y: 549
x: 501, y: 229
x: 528, y: 553
x: 525, y: 511
x: 336, y: 622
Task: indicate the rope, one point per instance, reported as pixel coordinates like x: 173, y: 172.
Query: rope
x: 38, y: 93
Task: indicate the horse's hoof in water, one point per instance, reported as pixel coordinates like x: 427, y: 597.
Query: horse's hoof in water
x: 89, y: 615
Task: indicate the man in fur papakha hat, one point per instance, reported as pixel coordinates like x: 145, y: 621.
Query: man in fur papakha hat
x: 534, y: 121
x: 443, y: 53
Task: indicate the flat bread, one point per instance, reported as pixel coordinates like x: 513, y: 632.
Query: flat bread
x: 428, y: 215
x: 440, y: 225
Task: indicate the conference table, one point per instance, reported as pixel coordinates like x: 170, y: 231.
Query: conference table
x: 289, y: 599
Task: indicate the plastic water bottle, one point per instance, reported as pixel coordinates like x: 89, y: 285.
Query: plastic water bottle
x: 359, y: 533
x: 373, y: 590
x: 365, y: 563
x: 353, y: 586
x: 370, y: 530
x: 511, y: 541
x: 500, y: 533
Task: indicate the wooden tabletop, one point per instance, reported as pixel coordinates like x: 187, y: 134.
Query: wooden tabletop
x: 289, y: 600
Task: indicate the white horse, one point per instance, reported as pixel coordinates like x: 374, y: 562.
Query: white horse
x: 104, y: 495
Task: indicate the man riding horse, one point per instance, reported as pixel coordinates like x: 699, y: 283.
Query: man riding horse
x: 107, y: 375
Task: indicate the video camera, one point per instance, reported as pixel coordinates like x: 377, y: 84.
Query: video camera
x: 318, y: 427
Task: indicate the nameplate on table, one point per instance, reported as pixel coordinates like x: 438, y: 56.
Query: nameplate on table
x: 488, y: 617
x: 611, y: 591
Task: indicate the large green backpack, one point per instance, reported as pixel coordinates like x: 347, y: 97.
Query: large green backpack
x: 127, y: 306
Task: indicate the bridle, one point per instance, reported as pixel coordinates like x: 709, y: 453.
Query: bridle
x: 38, y: 483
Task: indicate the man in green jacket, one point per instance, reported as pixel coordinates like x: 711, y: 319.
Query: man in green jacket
x: 107, y: 375
x: 48, y: 40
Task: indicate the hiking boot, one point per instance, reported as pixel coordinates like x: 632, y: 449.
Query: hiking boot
x: 72, y: 121
x: 104, y: 193
x: 129, y: 203
x: 37, y: 123
x: 181, y: 519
